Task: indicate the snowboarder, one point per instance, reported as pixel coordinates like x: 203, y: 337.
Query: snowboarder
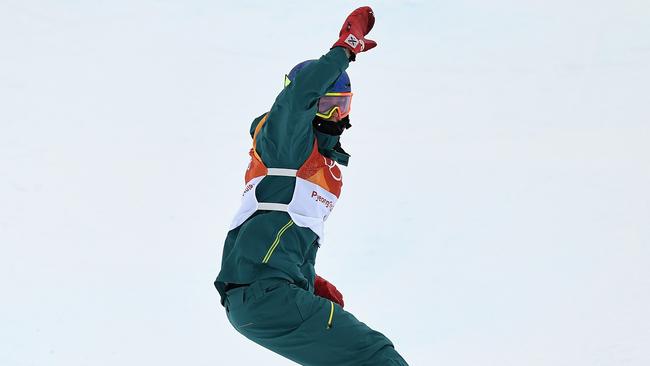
x: 267, y: 281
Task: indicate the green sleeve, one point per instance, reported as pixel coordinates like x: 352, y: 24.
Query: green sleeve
x: 256, y: 121
x: 286, y: 139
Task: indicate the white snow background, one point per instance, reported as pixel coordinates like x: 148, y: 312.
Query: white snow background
x: 496, y: 210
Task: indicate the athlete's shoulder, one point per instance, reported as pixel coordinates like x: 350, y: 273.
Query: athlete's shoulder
x: 256, y: 121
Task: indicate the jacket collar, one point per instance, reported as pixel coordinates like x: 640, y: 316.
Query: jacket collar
x: 330, y: 147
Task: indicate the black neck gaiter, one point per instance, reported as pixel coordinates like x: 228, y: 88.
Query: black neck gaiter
x: 328, y: 136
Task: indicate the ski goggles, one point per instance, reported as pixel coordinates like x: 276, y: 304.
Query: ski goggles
x: 330, y: 103
x: 334, y: 102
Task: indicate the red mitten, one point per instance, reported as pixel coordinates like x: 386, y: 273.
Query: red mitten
x: 325, y: 289
x: 356, y: 26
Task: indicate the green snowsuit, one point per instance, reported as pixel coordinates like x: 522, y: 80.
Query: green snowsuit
x: 267, y: 272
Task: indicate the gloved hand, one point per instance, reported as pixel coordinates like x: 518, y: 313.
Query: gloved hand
x: 356, y: 26
x: 325, y: 289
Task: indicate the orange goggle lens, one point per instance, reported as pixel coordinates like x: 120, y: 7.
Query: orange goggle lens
x: 334, y: 102
x: 330, y: 103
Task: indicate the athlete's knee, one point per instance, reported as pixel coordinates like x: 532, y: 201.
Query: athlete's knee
x: 386, y: 356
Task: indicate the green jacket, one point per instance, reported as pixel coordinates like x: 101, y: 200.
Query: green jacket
x: 268, y: 244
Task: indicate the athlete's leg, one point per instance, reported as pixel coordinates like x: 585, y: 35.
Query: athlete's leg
x: 307, y: 329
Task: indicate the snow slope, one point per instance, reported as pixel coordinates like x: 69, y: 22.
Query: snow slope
x: 495, y: 212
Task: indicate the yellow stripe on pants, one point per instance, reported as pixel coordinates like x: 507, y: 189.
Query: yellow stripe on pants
x: 329, y: 321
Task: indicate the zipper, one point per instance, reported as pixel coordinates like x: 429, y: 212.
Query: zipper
x: 276, y: 242
x: 329, y: 321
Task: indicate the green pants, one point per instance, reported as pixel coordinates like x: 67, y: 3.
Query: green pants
x: 305, y: 328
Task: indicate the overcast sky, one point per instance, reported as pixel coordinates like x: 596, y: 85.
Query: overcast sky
x: 496, y: 209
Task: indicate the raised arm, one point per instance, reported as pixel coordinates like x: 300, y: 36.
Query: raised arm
x: 286, y: 138
x: 313, y: 80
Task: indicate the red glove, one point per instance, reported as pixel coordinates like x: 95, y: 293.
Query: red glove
x: 356, y: 26
x: 325, y: 289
